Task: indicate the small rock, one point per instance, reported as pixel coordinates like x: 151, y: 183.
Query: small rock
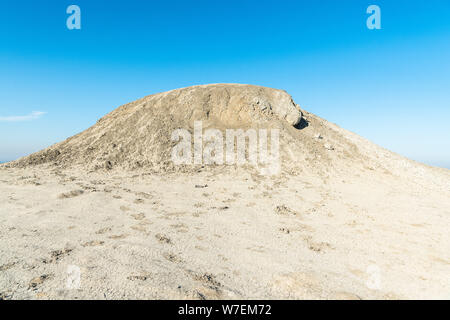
x: 142, y: 278
x: 37, y: 281
x: 163, y: 239
x: 284, y: 210
x: 5, y: 296
x: 71, y: 194
x: 108, y: 165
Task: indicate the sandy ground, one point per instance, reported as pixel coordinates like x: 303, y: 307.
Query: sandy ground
x: 221, y: 236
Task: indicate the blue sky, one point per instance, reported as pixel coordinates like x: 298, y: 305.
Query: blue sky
x: 391, y: 86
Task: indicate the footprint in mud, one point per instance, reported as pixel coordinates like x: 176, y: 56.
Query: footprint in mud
x: 163, y: 239
x: 229, y: 200
x: 95, y: 182
x: 180, y: 227
x: 71, y: 194
x: 198, y: 213
x: 144, y: 195
x: 103, y: 230
x: 172, y: 257
x: 145, y: 222
x: 211, y: 288
x: 87, y: 188
x: 139, y: 201
x: 56, y: 255
x: 296, y: 285
x: 140, y: 228
x: 319, y: 247
x: 118, y: 237
x: 259, y: 249
x: 138, y: 277
x: 93, y: 243
x: 139, y: 216
x: 284, y: 210
x: 107, y: 190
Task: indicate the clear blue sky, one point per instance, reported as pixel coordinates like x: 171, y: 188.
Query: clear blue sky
x: 391, y: 86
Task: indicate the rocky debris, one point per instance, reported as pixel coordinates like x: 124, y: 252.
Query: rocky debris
x: 284, y: 210
x: 163, y: 239
x: 208, y: 279
x: 57, y: 255
x: 285, y: 230
x: 141, y: 278
x: 71, y: 194
x: 35, y: 282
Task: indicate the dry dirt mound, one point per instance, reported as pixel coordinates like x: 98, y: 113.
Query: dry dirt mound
x: 138, y: 134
